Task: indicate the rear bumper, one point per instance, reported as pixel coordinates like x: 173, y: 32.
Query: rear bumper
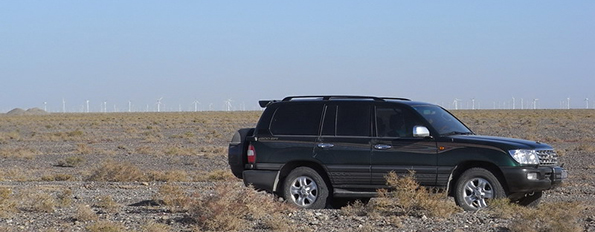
x: 531, y: 179
x: 261, y: 179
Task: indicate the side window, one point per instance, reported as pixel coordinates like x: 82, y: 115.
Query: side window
x: 353, y: 120
x: 394, y: 122
x: 296, y: 119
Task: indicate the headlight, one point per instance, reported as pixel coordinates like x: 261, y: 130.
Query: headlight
x: 525, y: 156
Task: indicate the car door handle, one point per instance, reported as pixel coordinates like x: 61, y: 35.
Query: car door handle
x: 382, y: 147
x: 325, y: 145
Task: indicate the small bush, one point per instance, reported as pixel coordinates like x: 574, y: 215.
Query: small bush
x: 107, y: 203
x: 72, y: 161
x: 84, y: 213
x: 556, y: 216
x: 37, y: 202
x: 57, y: 177
x: 7, y: 203
x: 168, y: 176
x: 174, y: 197
x: 105, y: 226
x: 116, y: 172
x: 408, y: 198
x: 231, y: 208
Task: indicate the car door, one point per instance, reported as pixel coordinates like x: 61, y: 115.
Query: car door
x: 395, y: 149
x: 344, y: 144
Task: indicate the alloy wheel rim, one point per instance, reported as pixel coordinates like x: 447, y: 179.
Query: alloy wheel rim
x: 477, y: 191
x: 304, y: 191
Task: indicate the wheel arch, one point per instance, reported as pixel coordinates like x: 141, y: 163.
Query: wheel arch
x: 290, y: 166
x: 464, y: 166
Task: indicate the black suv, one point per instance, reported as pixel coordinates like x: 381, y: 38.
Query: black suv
x: 311, y: 149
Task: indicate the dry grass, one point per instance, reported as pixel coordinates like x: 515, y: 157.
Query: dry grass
x: 232, y: 207
x: 7, y: 202
x: 113, y: 171
x: 174, y: 197
x: 105, y: 226
x: 107, y: 203
x: 550, y: 216
x: 84, y: 213
x: 406, y: 197
x: 72, y: 161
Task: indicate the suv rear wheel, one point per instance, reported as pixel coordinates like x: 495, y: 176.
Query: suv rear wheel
x: 475, y: 186
x: 305, y: 188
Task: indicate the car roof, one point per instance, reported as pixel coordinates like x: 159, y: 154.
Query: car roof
x: 350, y: 98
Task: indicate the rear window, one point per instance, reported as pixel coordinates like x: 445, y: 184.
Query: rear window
x: 296, y: 119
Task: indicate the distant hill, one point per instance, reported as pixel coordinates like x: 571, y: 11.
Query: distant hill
x: 32, y: 111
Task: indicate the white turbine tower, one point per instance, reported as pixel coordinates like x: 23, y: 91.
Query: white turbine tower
x: 87, y: 106
x: 473, y: 103
x: 513, y: 103
x: 456, y: 103
x: 129, y: 106
x: 586, y: 103
x: 228, y: 104
x: 522, y: 104
x: 196, y: 103
x: 159, y: 104
x: 63, y: 105
x: 535, y: 103
x: 568, y: 103
x: 45, y: 106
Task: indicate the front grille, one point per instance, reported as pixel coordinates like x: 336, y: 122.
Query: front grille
x: 547, y: 157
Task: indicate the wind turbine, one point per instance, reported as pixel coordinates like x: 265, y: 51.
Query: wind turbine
x: 473, y: 103
x: 159, y: 104
x: 228, y: 104
x: 535, y: 103
x: 456, y: 103
x: 586, y: 103
x: 513, y: 103
x: 45, y: 106
x: 87, y: 106
x: 63, y: 105
x: 568, y: 102
x: 129, y: 106
x: 196, y: 103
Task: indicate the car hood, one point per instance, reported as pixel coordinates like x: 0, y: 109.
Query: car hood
x: 500, y: 142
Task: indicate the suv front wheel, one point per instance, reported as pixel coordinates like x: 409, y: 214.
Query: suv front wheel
x: 305, y: 188
x: 475, y: 186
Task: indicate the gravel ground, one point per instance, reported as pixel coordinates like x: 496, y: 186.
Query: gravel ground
x: 137, y: 210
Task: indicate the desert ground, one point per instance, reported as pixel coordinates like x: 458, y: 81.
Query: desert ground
x: 168, y: 172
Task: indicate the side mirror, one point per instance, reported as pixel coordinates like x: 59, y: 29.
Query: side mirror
x: 421, y: 132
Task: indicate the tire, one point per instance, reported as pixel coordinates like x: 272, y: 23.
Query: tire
x: 305, y: 188
x: 475, y: 186
x: 530, y: 199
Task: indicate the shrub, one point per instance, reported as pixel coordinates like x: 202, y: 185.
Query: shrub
x: 57, y: 177
x: 7, y: 203
x: 107, y: 203
x: 406, y: 197
x: 168, y: 176
x: 105, y: 226
x: 555, y: 216
x: 84, y: 213
x: 232, y: 206
x: 172, y: 196
x: 116, y: 172
x: 70, y: 161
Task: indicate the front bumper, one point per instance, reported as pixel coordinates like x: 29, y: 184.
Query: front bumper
x: 531, y: 179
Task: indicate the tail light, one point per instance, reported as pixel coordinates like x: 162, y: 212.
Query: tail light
x: 251, y: 154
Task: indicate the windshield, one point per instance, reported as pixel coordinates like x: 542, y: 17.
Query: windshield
x: 442, y: 120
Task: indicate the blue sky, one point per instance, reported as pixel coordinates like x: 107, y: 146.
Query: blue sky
x: 113, y: 53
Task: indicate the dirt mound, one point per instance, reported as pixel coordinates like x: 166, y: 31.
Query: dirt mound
x: 32, y: 111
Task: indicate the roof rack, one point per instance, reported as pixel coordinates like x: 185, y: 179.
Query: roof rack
x: 331, y: 97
